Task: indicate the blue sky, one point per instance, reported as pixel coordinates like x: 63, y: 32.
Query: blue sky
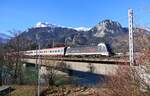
x: 23, y: 14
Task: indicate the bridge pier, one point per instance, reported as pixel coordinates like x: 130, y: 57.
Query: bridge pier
x: 43, y: 70
x: 24, y: 65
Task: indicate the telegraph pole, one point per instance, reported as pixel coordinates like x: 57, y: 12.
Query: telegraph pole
x: 53, y: 43
x: 130, y: 25
x: 38, y: 65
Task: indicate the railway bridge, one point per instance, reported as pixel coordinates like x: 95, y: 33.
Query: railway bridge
x: 103, y: 65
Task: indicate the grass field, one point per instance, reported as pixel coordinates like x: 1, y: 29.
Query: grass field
x: 23, y: 90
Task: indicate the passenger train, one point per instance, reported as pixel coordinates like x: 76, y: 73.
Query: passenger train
x: 101, y: 49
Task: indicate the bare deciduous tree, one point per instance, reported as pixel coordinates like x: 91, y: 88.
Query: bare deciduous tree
x: 13, y: 50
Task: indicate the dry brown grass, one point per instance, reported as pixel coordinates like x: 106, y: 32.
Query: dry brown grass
x: 23, y: 90
x: 69, y: 90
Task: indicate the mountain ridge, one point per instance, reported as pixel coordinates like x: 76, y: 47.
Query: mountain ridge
x: 4, y: 38
x: 107, y: 31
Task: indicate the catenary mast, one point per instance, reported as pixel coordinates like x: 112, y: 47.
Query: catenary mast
x: 130, y: 26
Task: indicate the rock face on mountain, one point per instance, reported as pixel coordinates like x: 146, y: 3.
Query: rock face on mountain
x: 107, y: 27
x: 107, y: 31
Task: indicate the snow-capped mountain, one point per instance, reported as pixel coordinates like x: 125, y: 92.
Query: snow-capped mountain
x: 82, y: 29
x: 42, y: 24
x: 46, y: 24
x: 108, y: 31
